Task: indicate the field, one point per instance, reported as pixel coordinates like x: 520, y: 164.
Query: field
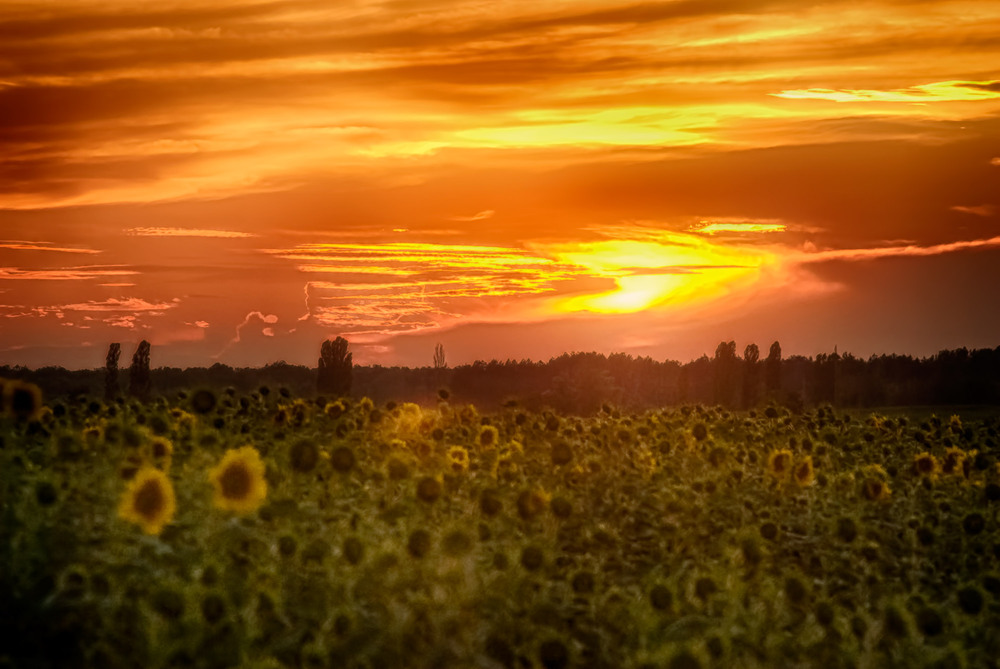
x: 218, y: 530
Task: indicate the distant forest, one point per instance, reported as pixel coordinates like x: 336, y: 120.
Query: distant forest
x: 575, y: 383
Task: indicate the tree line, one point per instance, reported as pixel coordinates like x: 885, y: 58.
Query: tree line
x: 578, y: 383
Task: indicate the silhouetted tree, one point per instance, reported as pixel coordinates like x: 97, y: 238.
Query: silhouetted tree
x: 111, y: 371
x: 725, y: 373
x: 683, y: 384
x: 772, y: 370
x: 825, y: 377
x: 950, y: 377
x: 439, y: 361
x: 751, y: 369
x: 335, y: 367
x: 138, y: 374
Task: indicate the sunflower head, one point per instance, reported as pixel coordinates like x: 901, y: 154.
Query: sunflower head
x: 342, y: 459
x: 148, y: 500
x: 954, y: 457
x: 779, y: 463
x: 429, y: 489
x: 488, y: 437
x: 803, y: 472
x: 532, y: 502
x: 925, y: 464
x: 562, y: 453
x: 876, y: 490
x: 160, y: 452
x: 955, y: 423
x: 335, y: 409
x: 561, y: 507
x: 22, y: 400
x: 239, y: 480
x: 419, y: 543
x: 456, y: 543
x: 490, y: 503
x: 532, y: 558
x: 303, y: 456
x: 203, y: 401
x: 93, y: 436
x: 458, y: 459
x: 397, y: 468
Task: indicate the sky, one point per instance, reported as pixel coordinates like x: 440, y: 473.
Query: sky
x: 237, y: 181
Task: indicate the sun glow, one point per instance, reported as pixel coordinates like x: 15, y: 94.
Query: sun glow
x: 670, y: 269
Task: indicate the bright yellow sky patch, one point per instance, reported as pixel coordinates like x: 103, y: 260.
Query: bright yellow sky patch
x: 670, y: 270
x: 713, y: 228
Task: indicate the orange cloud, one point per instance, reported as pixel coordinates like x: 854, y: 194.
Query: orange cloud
x: 186, y: 232
x: 481, y: 216
x: 41, y: 246
x: 985, y: 210
x: 898, y: 251
x: 62, y: 274
x: 943, y: 91
x: 130, y: 304
x: 707, y: 228
x: 266, y: 318
x: 109, y: 103
x: 422, y: 283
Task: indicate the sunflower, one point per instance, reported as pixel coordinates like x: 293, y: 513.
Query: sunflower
x: 505, y: 468
x: 342, y: 459
x: 239, y: 480
x: 955, y: 423
x: 160, y: 452
x: 203, y: 401
x: 876, y: 490
x: 429, y: 489
x: 875, y: 470
x: 22, y: 400
x: 779, y: 462
x: 335, y: 410
x: 397, y: 467
x: 303, y: 456
x: 93, y: 435
x: 532, y: 502
x: 458, y: 459
x: 927, y: 465
x: 408, y: 417
x: 488, y: 437
x: 953, y: 460
x: 804, y: 472
x: 148, y: 500
x: 562, y: 453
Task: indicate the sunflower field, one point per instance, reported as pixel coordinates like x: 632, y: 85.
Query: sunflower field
x: 210, y: 529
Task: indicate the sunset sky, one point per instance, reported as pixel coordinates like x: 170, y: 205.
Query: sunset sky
x: 236, y: 181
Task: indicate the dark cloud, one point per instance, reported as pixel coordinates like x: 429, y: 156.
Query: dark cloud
x: 993, y: 86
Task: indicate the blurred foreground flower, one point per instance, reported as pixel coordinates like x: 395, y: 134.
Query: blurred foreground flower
x: 148, y: 500
x: 21, y: 400
x: 239, y: 481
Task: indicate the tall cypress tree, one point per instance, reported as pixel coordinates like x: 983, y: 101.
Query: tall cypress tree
x: 111, y: 371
